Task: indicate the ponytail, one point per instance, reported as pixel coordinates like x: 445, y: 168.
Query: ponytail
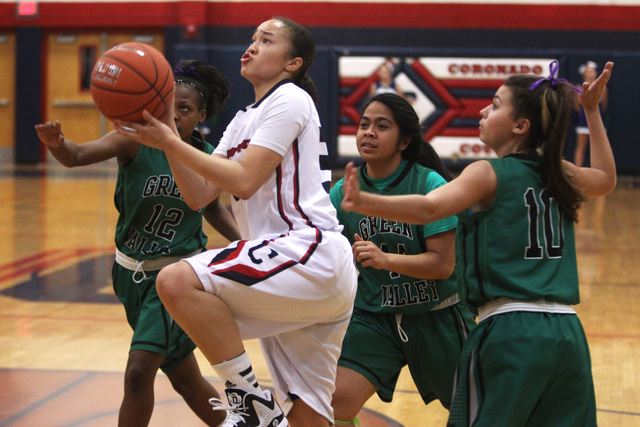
x: 548, y: 105
x: 306, y: 83
x: 303, y: 46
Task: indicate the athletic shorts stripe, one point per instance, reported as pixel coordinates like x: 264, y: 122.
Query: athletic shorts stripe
x: 249, y: 276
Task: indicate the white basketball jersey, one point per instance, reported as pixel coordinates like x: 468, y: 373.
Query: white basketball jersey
x: 296, y: 195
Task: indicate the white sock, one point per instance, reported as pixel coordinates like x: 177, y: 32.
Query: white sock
x: 238, y: 373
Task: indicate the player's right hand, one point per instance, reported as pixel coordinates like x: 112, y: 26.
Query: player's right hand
x: 50, y: 133
x: 351, y: 188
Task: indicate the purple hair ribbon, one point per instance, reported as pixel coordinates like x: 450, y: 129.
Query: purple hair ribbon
x: 191, y: 71
x: 553, y: 77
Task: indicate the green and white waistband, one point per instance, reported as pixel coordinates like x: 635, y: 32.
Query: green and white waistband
x: 453, y: 299
x: 506, y: 305
x: 147, y: 264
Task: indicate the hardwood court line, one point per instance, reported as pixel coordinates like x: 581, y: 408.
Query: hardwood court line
x: 42, y: 261
x: 613, y: 336
x: 83, y: 379
x: 613, y: 411
x: 65, y: 318
x: 46, y: 399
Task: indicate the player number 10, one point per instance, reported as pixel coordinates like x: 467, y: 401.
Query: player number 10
x: 553, y: 232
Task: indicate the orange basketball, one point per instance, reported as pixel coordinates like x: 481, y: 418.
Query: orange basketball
x: 130, y: 78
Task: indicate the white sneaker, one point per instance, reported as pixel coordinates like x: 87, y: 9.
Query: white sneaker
x: 250, y: 409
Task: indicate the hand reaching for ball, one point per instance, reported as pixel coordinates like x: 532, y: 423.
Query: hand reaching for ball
x: 153, y: 133
x: 50, y: 133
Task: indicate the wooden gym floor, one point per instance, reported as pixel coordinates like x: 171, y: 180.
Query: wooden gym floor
x: 64, y: 338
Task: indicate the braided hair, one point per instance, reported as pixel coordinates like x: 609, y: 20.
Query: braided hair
x: 210, y: 83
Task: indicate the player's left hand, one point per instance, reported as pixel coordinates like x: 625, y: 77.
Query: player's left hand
x: 152, y: 133
x: 592, y: 93
x: 368, y: 254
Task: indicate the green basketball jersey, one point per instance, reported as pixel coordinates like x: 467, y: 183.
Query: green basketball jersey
x: 154, y: 220
x: 521, y: 247
x: 383, y: 291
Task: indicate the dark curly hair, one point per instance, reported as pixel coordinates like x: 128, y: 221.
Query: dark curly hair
x: 207, y: 80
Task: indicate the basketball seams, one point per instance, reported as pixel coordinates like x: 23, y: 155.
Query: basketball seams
x: 168, y: 80
x: 132, y: 67
x: 157, y: 79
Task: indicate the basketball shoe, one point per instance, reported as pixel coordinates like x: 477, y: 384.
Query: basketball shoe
x: 250, y: 410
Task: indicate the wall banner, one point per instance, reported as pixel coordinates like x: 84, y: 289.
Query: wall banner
x: 446, y: 92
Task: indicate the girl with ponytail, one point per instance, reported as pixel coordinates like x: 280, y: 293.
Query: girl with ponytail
x: 527, y: 362
x: 291, y: 281
x: 303, y: 46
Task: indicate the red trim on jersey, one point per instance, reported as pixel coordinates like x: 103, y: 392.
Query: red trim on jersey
x: 247, y: 275
x: 295, y: 148
x: 313, y: 247
x: 235, y: 150
x: 228, y: 253
x: 279, y: 197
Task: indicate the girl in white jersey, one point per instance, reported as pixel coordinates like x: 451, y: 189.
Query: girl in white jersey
x: 292, y: 282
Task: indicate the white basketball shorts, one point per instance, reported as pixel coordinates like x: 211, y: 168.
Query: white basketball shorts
x: 295, y: 293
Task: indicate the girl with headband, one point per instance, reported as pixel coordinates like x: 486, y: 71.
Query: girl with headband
x: 156, y: 228
x: 527, y: 362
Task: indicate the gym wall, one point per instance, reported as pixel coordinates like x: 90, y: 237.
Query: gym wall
x: 450, y: 55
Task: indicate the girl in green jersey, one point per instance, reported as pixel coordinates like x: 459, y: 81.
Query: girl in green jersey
x: 144, y: 190
x: 406, y: 310
x: 527, y: 363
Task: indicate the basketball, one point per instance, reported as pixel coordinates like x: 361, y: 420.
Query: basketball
x: 130, y: 78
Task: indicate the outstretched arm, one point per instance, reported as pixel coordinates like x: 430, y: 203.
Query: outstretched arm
x: 201, y: 177
x: 474, y: 188
x: 71, y: 154
x: 600, y: 178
